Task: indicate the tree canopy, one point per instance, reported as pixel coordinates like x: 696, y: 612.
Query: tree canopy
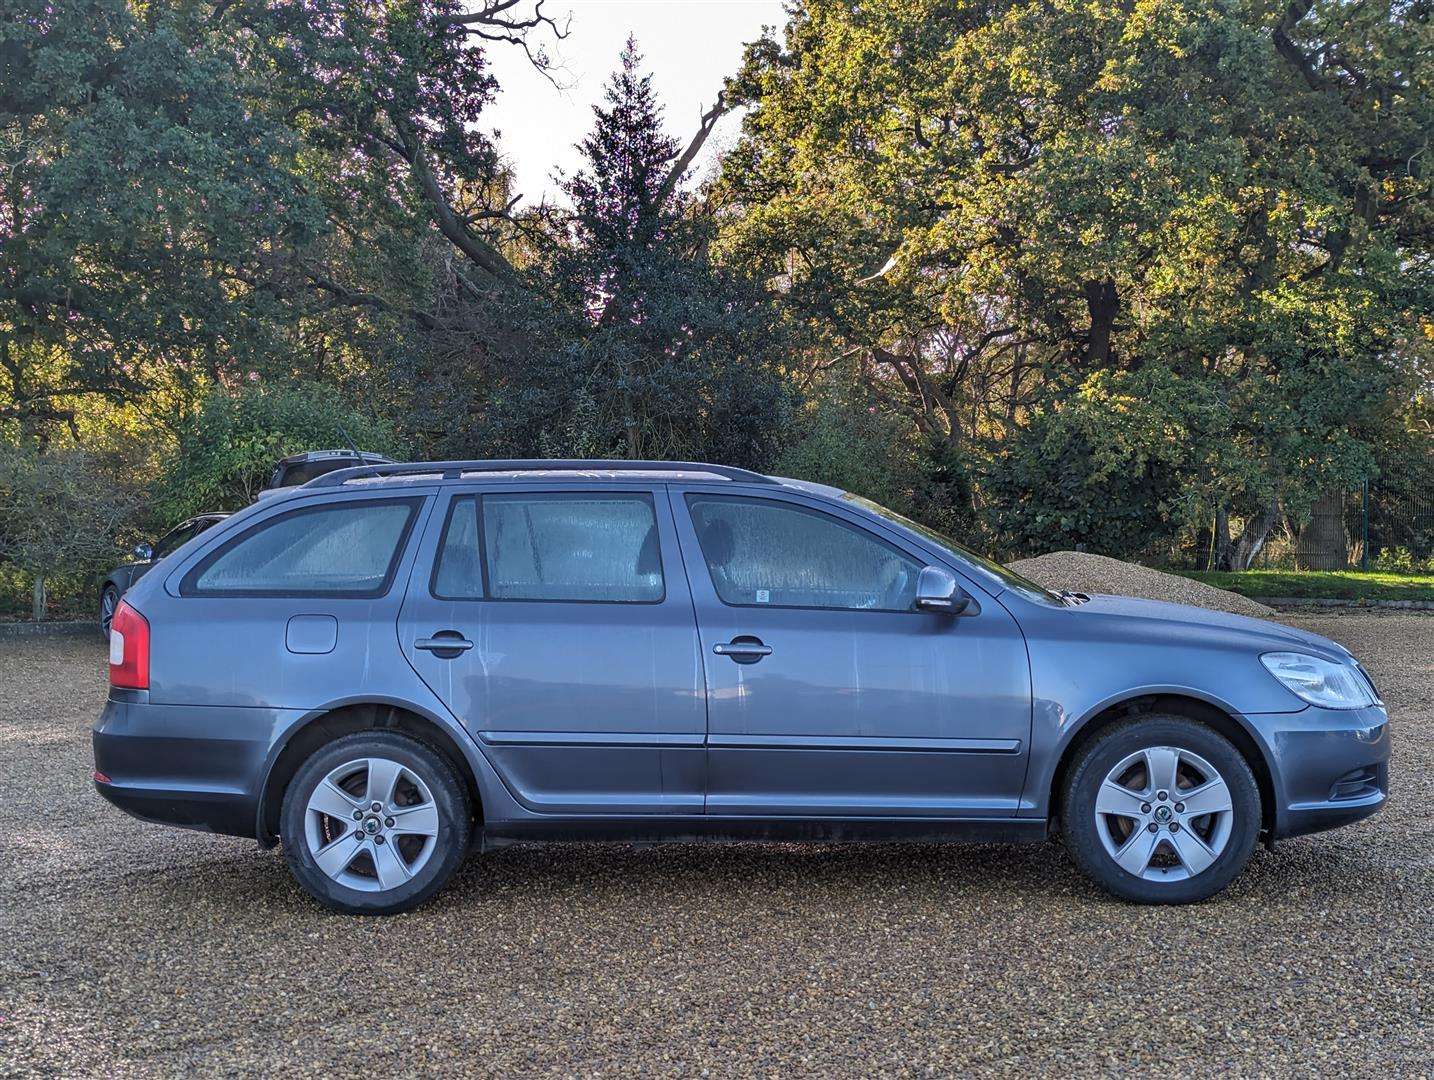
x: 1091, y: 242
x: 1146, y: 277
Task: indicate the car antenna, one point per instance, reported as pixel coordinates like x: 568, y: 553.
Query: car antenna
x: 358, y: 456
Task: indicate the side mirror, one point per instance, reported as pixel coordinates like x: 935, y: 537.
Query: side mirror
x: 938, y: 592
x: 143, y: 552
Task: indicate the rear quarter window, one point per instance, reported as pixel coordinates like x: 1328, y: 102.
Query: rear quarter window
x: 344, y: 549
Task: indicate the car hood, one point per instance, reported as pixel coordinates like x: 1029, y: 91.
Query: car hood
x: 1171, y: 619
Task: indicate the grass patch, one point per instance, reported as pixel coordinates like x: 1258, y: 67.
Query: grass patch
x: 1321, y: 584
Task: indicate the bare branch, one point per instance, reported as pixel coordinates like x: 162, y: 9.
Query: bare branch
x: 352, y: 298
x: 497, y: 21
x: 1285, y: 46
x: 687, y: 157
x: 487, y: 214
x: 479, y: 251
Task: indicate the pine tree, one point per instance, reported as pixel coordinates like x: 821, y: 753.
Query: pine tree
x: 618, y: 198
x: 676, y: 356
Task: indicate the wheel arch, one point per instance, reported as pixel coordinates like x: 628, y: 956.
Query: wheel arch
x: 1224, y: 721
x: 347, y: 718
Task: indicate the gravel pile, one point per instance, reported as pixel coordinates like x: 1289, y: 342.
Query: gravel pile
x: 129, y: 949
x: 1082, y: 572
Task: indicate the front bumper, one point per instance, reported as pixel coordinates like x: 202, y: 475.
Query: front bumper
x: 199, y: 767
x: 1330, y: 766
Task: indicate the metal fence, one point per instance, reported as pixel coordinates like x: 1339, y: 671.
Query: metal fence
x: 1373, y: 527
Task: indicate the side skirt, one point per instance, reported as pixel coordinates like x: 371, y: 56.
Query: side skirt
x: 644, y: 829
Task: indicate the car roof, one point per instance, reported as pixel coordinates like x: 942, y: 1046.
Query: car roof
x: 598, y: 470
x: 330, y: 455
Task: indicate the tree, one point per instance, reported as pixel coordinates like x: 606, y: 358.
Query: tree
x: 1205, y: 220
x: 197, y: 190
x: 138, y: 195
x: 635, y: 344
x: 58, y: 514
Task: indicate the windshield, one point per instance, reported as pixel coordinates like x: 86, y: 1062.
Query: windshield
x: 1004, y: 577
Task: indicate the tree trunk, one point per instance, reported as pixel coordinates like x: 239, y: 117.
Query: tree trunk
x: 1252, y: 538
x: 1222, y: 538
x: 1323, y: 543
x: 37, y: 599
x: 1102, y: 301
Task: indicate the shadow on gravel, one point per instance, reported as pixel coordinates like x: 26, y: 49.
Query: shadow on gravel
x: 596, y: 875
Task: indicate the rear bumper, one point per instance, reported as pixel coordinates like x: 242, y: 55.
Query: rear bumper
x: 1331, y: 766
x: 192, y: 766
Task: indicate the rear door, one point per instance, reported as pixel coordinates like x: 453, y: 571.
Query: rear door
x: 555, y: 621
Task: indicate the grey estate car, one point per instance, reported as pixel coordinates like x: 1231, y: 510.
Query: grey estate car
x: 395, y: 662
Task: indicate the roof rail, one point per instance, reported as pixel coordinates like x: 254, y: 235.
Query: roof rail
x: 453, y: 470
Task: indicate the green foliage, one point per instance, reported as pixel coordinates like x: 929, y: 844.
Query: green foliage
x: 637, y: 344
x: 1400, y: 560
x: 1351, y: 585
x: 60, y: 513
x: 1062, y: 234
x: 1099, y: 472
x: 1053, y: 275
x: 227, y: 451
x: 143, y: 199
x: 848, y: 443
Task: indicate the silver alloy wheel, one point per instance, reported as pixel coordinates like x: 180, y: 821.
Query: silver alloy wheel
x: 371, y: 824
x: 1164, y: 814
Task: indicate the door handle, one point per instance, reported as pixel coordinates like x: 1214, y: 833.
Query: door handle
x: 446, y: 644
x: 743, y: 650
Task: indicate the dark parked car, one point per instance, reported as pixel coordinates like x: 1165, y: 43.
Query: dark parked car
x: 146, y: 555
x: 301, y: 468
x: 376, y: 669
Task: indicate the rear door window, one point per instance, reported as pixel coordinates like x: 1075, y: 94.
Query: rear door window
x: 335, y: 549
x: 597, y: 547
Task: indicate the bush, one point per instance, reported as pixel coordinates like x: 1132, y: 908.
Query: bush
x: 227, y: 451
x: 1087, y: 474
x: 849, y: 444
x: 1400, y: 560
x: 61, y: 513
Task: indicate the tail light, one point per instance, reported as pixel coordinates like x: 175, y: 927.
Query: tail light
x: 129, y: 649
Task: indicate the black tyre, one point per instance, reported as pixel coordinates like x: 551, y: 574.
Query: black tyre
x: 109, y: 600
x: 1161, y: 810
x: 375, y: 823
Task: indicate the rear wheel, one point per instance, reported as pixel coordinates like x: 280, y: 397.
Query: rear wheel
x: 375, y: 823
x: 1161, y: 810
x: 109, y: 600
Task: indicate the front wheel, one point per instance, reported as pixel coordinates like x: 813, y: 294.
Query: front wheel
x: 1161, y: 810
x: 375, y: 823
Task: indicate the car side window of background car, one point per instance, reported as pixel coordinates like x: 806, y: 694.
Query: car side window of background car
x: 337, y: 549
x: 172, y: 539
x: 765, y: 553
x: 571, y: 546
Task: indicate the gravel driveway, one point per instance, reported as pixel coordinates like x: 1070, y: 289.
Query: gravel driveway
x: 135, y: 949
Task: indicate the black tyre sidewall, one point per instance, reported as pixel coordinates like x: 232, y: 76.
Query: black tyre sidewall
x: 449, y: 796
x: 1096, y: 761
x: 108, y: 590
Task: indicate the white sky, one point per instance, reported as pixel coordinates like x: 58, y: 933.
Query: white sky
x: 689, y: 46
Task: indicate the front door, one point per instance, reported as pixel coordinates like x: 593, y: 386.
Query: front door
x: 828, y: 694
x: 557, y: 625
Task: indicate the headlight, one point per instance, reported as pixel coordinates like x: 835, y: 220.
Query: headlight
x: 1320, y: 682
